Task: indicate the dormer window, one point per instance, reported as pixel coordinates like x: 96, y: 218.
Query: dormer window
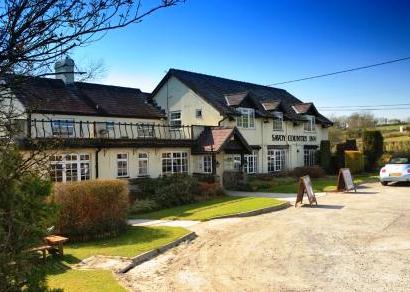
x: 246, y: 119
x: 278, y: 121
x: 309, y: 124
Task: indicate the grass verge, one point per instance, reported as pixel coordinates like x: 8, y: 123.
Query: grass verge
x: 203, y: 211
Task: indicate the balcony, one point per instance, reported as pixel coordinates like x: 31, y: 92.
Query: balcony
x: 107, y: 134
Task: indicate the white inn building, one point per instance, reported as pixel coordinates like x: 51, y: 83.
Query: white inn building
x: 191, y: 123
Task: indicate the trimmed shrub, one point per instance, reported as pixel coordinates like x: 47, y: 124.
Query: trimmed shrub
x: 143, y: 206
x: 354, y: 160
x: 232, y: 179
x: 91, y: 209
x: 372, y: 148
x: 324, y: 155
x: 209, y: 190
x: 340, y: 152
x: 312, y: 171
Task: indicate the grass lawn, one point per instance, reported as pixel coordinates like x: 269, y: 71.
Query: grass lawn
x: 85, y: 280
x: 291, y: 185
x: 203, y: 211
x: 135, y: 241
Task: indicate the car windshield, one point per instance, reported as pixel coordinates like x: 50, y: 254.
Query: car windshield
x: 399, y: 160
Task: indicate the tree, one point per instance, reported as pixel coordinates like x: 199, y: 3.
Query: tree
x: 34, y: 34
x: 372, y: 148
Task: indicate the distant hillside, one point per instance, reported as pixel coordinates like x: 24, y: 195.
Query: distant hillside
x: 394, y: 139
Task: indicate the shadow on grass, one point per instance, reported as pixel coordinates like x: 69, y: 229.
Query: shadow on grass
x: 55, y: 265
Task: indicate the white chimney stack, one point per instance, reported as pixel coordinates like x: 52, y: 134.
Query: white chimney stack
x: 64, y: 70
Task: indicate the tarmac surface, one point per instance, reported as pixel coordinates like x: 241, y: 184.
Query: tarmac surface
x: 350, y: 242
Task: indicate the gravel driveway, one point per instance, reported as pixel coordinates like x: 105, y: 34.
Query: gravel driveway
x: 351, y: 242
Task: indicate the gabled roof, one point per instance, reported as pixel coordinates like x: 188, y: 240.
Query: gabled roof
x: 53, y: 96
x: 224, y: 94
x: 216, y: 139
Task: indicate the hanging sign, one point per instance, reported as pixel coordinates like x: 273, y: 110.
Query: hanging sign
x: 345, y: 181
x: 305, y: 186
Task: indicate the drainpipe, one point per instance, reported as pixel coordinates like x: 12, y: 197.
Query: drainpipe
x: 96, y: 162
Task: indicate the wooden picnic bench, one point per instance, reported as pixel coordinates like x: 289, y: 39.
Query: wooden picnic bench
x: 54, y: 244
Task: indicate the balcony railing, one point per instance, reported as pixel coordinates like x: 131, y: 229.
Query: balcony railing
x: 70, y: 129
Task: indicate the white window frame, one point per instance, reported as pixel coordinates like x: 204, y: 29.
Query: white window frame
x: 309, y: 156
x: 81, y: 164
x: 177, y: 162
x: 175, y: 123
x: 121, y: 159
x: 237, y: 162
x: 251, y: 162
x: 310, y: 124
x: 247, y: 118
x: 198, y: 113
x: 62, y: 128
x: 278, y: 121
x: 143, y: 158
x: 276, y: 159
x: 206, y: 164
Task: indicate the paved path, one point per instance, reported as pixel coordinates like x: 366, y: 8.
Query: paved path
x: 350, y: 242
x: 281, y: 196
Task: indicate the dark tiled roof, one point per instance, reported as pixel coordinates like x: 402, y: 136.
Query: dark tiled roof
x: 213, y: 139
x: 216, y: 89
x: 46, y: 95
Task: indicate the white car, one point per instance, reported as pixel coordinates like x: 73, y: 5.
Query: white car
x: 398, y: 169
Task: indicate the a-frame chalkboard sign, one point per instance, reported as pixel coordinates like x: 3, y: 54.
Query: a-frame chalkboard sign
x: 305, y: 186
x: 345, y: 181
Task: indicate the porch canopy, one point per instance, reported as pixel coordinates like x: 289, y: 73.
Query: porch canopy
x: 213, y: 140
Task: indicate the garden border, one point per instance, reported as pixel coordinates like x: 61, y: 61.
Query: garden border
x: 155, y: 252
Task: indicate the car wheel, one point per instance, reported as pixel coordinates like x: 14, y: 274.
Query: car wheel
x: 384, y: 183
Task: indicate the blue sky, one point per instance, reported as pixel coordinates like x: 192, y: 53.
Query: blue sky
x: 270, y: 41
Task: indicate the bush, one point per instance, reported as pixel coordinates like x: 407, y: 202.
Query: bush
x: 92, y: 209
x: 208, y: 191
x: 312, y: 171
x: 372, y: 148
x: 143, y: 206
x: 324, y: 155
x: 340, y: 152
x: 354, y: 160
x: 232, y: 179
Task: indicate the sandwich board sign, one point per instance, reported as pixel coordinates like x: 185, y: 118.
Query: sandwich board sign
x: 305, y: 186
x: 345, y: 181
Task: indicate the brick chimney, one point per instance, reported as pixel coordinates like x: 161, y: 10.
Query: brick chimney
x: 64, y: 70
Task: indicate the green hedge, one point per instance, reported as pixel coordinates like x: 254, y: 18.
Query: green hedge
x: 325, y: 155
x: 91, y: 209
x: 354, y: 160
x: 372, y: 148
